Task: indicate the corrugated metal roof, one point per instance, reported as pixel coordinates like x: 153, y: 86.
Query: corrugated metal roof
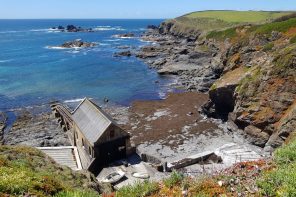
x: 91, y: 120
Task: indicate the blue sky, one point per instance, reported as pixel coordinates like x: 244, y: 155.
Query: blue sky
x: 129, y: 8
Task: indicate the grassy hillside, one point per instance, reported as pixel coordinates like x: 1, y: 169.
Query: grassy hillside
x: 27, y: 171
x: 238, y: 16
x: 217, y: 20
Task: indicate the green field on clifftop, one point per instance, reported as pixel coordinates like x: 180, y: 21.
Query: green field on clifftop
x: 218, y: 20
x: 238, y: 16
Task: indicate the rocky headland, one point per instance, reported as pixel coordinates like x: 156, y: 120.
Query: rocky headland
x: 248, y: 71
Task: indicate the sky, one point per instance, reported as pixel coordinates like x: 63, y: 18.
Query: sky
x: 142, y: 9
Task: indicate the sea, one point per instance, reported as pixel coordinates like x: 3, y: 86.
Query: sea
x: 34, y: 72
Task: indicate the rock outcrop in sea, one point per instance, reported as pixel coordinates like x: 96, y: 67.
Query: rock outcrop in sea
x: 78, y: 43
x: 72, y: 28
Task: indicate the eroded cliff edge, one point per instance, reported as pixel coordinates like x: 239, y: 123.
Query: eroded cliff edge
x: 249, y: 71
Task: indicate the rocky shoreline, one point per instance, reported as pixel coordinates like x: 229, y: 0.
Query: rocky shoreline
x: 196, y: 68
x: 3, y: 120
x: 207, y: 66
x: 231, y: 71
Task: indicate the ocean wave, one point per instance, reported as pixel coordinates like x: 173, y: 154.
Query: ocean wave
x: 104, y: 44
x: 4, y: 61
x: 123, y: 37
x: 113, y: 40
x: 45, y: 30
x: 55, y: 47
x: 108, y: 28
x: 73, y: 51
x: 5, y: 32
x: 74, y: 100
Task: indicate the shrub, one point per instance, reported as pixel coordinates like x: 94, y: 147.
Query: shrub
x: 275, y: 26
x: 140, y: 189
x: 77, y: 194
x: 268, y: 47
x: 293, y: 40
x: 222, y: 35
x: 282, y: 180
x: 175, y: 178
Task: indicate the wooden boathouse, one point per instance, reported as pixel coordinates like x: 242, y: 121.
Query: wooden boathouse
x: 99, y: 140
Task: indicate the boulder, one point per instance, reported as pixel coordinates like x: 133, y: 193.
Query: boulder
x: 256, y: 135
x: 152, y: 27
x: 123, y: 53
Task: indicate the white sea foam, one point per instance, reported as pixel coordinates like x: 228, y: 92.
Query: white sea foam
x: 73, y: 100
x: 5, y: 32
x: 55, y: 47
x: 4, y: 61
x: 113, y: 40
x: 45, y: 30
x: 104, y: 44
x: 108, y: 28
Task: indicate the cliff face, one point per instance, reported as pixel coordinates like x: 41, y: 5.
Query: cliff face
x: 257, y: 87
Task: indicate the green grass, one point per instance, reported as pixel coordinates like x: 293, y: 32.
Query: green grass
x: 293, y: 40
x: 77, y: 194
x: 140, y: 189
x: 25, y: 170
x: 282, y: 26
x: 268, y: 47
x: 174, y: 179
x: 238, y: 16
x: 222, y: 35
x: 282, y: 180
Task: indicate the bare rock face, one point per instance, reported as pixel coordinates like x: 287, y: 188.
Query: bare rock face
x: 36, y: 130
x: 123, y: 53
x: 258, y: 87
x: 256, y: 136
x: 77, y: 44
x: 3, y: 119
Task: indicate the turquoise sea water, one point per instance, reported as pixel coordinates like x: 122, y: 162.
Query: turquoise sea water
x: 31, y: 73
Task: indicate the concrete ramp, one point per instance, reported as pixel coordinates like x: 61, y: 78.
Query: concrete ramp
x: 66, y: 156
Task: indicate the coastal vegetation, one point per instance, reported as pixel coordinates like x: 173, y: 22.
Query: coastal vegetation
x: 26, y: 171
x: 217, y: 20
x: 260, y: 88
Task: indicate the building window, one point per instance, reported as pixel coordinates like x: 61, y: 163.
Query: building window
x: 112, y: 134
x: 82, y: 143
x: 89, y: 150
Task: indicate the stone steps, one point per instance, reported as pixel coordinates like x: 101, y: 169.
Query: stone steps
x: 63, y: 156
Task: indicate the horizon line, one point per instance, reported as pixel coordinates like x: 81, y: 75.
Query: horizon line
x: 84, y: 18
x: 107, y: 18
